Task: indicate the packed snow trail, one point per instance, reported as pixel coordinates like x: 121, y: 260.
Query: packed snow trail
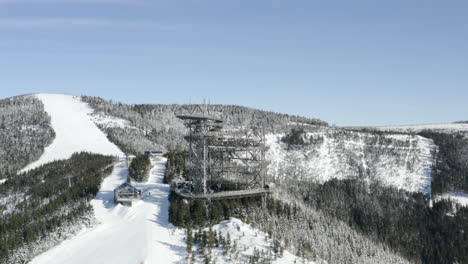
x: 126, y: 235
x: 74, y: 130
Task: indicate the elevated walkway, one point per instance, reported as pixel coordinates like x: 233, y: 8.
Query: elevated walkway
x: 226, y: 195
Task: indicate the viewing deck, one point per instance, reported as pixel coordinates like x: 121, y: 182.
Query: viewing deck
x: 226, y: 195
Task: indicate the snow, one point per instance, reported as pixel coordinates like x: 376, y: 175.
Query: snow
x: 249, y: 239
x: 110, y: 121
x: 453, y: 127
x: 142, y: 233
x: 401, y: 161
x: 2, y: 181
x: 74, y: 130
x: 137, y: 234
x: 459, y: 197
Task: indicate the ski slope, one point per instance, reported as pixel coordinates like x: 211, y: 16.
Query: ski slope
x: 74, y: 130
x: 138, y: 234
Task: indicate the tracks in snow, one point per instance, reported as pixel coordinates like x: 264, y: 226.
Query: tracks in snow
x: 138, y: 234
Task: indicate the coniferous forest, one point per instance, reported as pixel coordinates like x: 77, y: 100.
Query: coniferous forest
x: 175, y: 166
x: 308, y: 233
x: 450, y: 171
x: 396, y: 221
x: 157, y: 127
x: 24, y: 132
x: 139, y: 167
x: 406, y: 222
x: 339, y: 221
x: 42, y: 203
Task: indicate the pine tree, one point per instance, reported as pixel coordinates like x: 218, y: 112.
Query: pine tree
x: 189, y: 241
x: 199, y: 213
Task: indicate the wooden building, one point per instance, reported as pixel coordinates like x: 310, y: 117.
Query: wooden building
x: 125, y: 194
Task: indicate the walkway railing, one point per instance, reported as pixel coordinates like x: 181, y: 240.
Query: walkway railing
x: 225, y: 195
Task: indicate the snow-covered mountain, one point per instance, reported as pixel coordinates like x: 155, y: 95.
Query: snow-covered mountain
x: 444, y: 128
x: 74, y: 130
x: 139, y: 234
x: 58, y: 126
x: 401, y: 161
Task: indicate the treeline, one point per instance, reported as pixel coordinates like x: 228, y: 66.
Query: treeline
x: 156, y: 126
x: 306, y: 233
x: 24, y: 133
x: 450, y: 170
x: 296, y: 137
x: 140, y: 167
x: 175, y: 166
x: 132, y: 140
x: 232, y: 115
x: 52, y: 196
x: 204, y: 242
x: 206, y: 245
x: 403, y: 221
x: 200, y: 213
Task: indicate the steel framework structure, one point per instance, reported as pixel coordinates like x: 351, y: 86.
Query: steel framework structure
x: 215, y: 155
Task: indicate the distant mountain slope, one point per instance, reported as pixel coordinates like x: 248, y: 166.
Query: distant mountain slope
x: 25, y: 131
x: 74, y: 130
x: 402, y: 161
x: 445, y: 128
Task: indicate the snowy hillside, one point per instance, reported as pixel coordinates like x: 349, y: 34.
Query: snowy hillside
x: 143, y: 234
x: 56, y: 214
x: 447, y: 128
x: 249, y: 242
x: 459, y: 197
x: 74, y: 130
x: 110, y: 122
x: 402, y: 161
x: 137, y: 234
x: 25, y: 131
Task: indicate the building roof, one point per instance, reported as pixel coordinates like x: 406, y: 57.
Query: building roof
x: 153, y: 152
x: 124, y: 185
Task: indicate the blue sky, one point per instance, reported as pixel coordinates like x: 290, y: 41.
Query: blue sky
x: 347, y: 62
